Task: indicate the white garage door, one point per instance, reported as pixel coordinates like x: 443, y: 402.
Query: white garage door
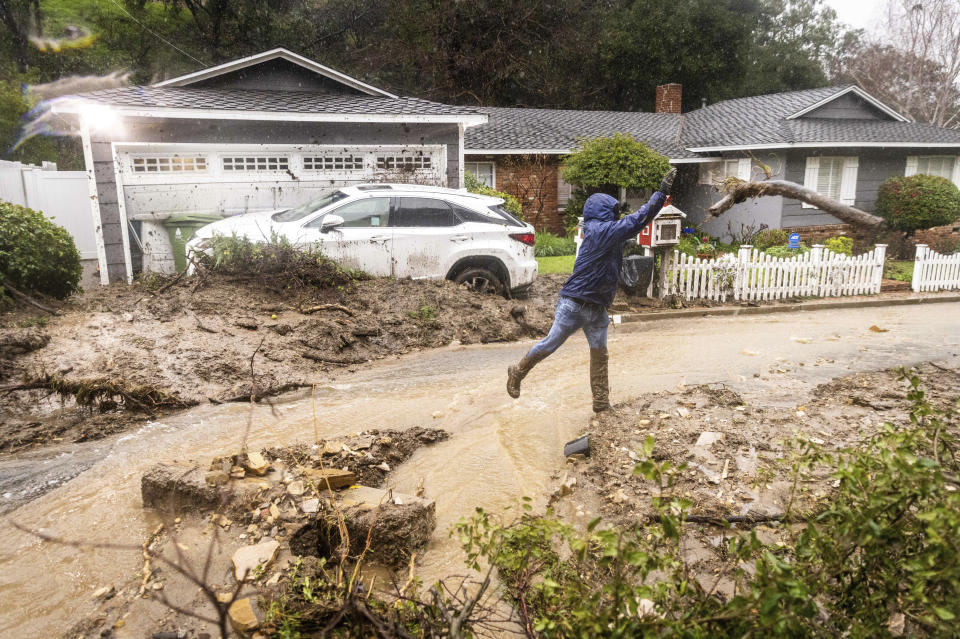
x: 172, y: 179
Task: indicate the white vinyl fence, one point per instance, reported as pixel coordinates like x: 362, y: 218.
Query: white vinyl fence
x: 754, y: 275
x: 61, y: 195
x: 935, y: 272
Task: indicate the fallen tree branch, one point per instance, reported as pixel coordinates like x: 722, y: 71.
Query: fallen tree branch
x: 327, y: 307
x: 326, y: 359
x: 256, y: 397
x: 23, y: 297
x: 739, y: 191
x: 94, y: 392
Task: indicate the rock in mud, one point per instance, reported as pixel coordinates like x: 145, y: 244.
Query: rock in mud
x: 255, y: 464
x: 177, y: 488
x: 243, y: 615
x: 247, y: 558
x: 335, y: 477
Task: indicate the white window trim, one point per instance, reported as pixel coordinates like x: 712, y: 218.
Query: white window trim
x: 717, y: 171
x: 848, y: 178
x: 913, y: 166
x: 493, y: 169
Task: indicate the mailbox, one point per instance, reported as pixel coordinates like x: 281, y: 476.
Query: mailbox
x: 664, y: 230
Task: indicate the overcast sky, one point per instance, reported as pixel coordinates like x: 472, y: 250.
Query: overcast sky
x: 863, y: 14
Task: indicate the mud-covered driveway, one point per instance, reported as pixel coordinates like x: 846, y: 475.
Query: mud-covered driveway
x: 500, y: 449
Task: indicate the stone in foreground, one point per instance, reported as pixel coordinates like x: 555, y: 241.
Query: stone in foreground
x: 337, y: 478
x: 243, y: 616
x: 247, y: 558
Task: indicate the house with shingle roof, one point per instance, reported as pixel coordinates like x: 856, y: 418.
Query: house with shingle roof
x: 840, y: 141
x: 274, y: 129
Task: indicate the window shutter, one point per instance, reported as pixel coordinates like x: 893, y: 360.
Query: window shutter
x: 848, y: 181
x: 810, y: 178
x: 955, y: 177
x: 743, y: 169
x: 912, y: 162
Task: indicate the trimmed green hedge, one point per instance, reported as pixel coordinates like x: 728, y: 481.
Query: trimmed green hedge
x: 918, y: 202
x: 36, y: 254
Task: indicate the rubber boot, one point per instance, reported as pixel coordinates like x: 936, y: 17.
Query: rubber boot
x: 515, y: 374
x: 599, y: 384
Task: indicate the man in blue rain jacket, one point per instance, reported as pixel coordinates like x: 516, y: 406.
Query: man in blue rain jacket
x: 586, y: 295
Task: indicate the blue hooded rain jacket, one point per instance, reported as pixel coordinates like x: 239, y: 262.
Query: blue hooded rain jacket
x: 597, y: 268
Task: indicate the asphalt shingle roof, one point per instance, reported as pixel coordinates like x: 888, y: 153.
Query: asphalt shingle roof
x: 558, y: 129
x: 269, y: 101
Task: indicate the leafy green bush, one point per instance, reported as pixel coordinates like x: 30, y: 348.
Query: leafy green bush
x: 574, y: 210
x: 782, y: 250
x: 509, y: 202
x: 549, y: 245
x: 615, y: 161
x: 275, y: 263
x: 769, y: 237
x: 880, y: 546
x: 840, y: 244
x: 918, y: 202
x: 36, y: 254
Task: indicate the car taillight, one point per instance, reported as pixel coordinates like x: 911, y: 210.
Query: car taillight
x: 525, y: 238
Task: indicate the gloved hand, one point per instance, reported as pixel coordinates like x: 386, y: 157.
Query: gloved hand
x: 667, y: 183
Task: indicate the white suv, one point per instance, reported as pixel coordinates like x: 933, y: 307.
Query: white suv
x: 402, y: 230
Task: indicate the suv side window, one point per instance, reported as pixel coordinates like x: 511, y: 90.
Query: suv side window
x: 422, y: 211
x: 370, y: 212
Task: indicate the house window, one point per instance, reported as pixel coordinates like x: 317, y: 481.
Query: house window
x: 945, y: 166
x: 175, y: 164
x: 404, y: 162
x: 333, y: 163
x: 483, y: 171
x: 256, y: 163
x: 834, y: 177
x: 713, y: 173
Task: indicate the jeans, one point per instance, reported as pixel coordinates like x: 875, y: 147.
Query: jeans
x: 569, y: 317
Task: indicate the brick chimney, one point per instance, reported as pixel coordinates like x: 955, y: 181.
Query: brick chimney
x: 668, y: 98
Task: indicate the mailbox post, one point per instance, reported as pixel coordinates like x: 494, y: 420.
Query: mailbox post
x: 659, y: 237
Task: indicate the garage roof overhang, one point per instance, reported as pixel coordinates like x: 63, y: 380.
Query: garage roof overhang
x: 694, y: 160
x: 80, y: 108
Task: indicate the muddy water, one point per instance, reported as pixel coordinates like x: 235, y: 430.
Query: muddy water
x: 500, y: 450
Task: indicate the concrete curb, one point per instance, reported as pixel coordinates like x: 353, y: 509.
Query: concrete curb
x: 719, y: 311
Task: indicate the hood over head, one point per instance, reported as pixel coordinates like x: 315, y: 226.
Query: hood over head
x: 599, y: 206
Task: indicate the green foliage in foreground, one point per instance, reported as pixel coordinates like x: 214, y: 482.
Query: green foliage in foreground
x: 510, y: 203
x: 550, y: 245
x: 275, y: 263
x: 559, y: 264
x: 899, y: 270
x: 881, y: 550
x: 36, y: 254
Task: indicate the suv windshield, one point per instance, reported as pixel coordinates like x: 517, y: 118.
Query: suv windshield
x: 311, y: 206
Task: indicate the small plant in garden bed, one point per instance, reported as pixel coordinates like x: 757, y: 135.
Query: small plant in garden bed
x: 550, y: 245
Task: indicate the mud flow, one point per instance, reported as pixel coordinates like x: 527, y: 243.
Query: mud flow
x: 498, y: 449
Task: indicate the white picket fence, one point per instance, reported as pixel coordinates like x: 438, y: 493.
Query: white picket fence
x: 754, y: 275
x: 935, y: 272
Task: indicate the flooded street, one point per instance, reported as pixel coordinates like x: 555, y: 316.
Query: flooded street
x: 500, y: 449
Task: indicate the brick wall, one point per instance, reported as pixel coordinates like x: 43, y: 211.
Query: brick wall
x: 532, y: 180
x: 668, y: 98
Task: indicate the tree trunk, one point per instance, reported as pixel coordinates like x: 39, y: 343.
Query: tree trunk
x: 848, y: 214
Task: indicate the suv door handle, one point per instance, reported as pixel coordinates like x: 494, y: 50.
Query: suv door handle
x: 459, y: 238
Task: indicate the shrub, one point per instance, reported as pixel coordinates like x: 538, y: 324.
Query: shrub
x: 840, y: 244
x: 574, y: 210
x: 918, y: 202
x: 509, y: 202
x: 275, y: 263
x: 549, y: 245
x: 769, y: 237
x: 36, y: 254
x: 618, y: 161
x: 782, y: 250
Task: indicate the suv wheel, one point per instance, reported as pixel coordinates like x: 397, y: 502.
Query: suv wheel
x: 480, y: 280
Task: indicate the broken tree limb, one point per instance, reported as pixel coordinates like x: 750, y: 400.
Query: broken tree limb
x: 327, y: 307
x: 267, y: 392
x: 23, y: 297
x: 740, y: 191
x: 326, y: 359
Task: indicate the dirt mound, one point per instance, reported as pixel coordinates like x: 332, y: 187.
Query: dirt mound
x: 227, y: 340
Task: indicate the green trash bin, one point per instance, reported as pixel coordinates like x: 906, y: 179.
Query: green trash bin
x: 181, y: 229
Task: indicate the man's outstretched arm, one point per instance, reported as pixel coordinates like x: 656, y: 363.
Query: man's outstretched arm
x: 636, y: 221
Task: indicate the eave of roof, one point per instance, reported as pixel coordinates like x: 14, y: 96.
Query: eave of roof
x: 266, y: 56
